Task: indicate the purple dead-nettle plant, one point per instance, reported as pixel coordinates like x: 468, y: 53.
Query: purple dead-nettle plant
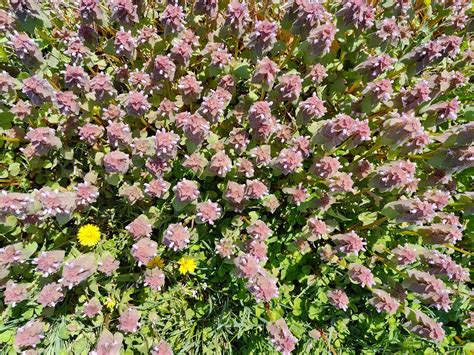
x: 21, y: 109
x: 440, y: 233
x: 16, y: 204
x: 247, y: 266
x: 399, y: 174
x: 8, y: 84
x: 92, y: 308
x: 411, y: 98
x: 384, y: 302
x: 162, y: 348
x: 220, y: 164
x: 235, y: 193
x: 349, y: 243
x: 14, y: 293
x: 143, y: 146
x: 146, y: 34
x: 226, y: 248
x: 444, y: 111
x: 310, y: 109
x: 86, y: 193
x: 388, y: 30
x: 132, y: 193
x: 50, y: 295
x: 259, y: 230
x: 102, y: 87
x: 212, y: 107
x: 190, y: 88
x: 320, y: 38
x: 439, y: 199
x: 91, y: 133
x: 297, y: 195
x: 108, y: 265
x: 195, y: 127
x: 124, y: 11
x: 411, y: 210
x: 136, y: 103
x: 186, y: 191
x: 236, y: 18
x: 341, y: 183
x: 113, y: 113
x: 129, y: 320
x: 6, y: 21
x: 428, y: 289
x: 77, y: 270
x: 440, y: 264
x: 30, y: 335
x: 55, y: 202
x: 425, y: 327
x: 157, y: 166
x: 11, y: 255
x: 67, y: 103
x: 125, y: 43
x: 116, y: 162
x: 325, y: 167
x: 284, y: 133
x: 176, y: 236
x: 317, y: 73
x: 358, y: 13
x: 49, y: 262
x: 118, y: 134
x: 206, y: 7
x: 306, y: 15
x: 43, y: 140
x: 338, y: 298
x: 90, y: 11
x: 281, y: 336
x: 316, y: 228
x: 340, y: 129
x: 255, y: 189
x: 379, y: 90
x: 37, y: 89
x: 108, y: 343
x: 220, y: 58
x: 140, y: 227
x: 265, y: 73
x: 261, y: 120
x: 25, y: 49
x: 245, y: 167
x: 157, y: 188
x: 376, y: 65
x: 263, y: 286
x: 163, y: 69
x: 208, y: 212
x: 144, y: 250
x: 289, y: 87
x: 257, y: 249
x: 181, y: 53
x: 154, y: 279
x: 172, y: 18
x: 289, y: 161
x: 405, y: 255
x: 77, y: 50
x: 263, y: 37
x: 361, y: 275
x: 166, y: 144
x: 302, y: 144
x: 167, y: 109
x: 76, y: 79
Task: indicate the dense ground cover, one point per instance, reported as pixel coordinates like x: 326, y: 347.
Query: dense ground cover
x: 235, y: 177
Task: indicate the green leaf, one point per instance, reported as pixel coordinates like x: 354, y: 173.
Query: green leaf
x: 367, y: 218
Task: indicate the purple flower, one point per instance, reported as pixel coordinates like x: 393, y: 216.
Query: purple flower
x: 376, y: 65
x: 325, y: 167
x: 166, y: 144
x: 358, y: 13
x: 440, y: 233
x: 16, y: 204
x: 261, y: 120
x: 124, y: 11
x: 225, y: 248
x: 263, y: 37
x: 234, y: 193
x: 132, y: 193
x: 281, y: 336
x: 341, y: 182
x: 255, y: 189
x: 113, y: 113
x: 67, y: 103
x: 338, y: 298
x: 317, y: 73
x: 91, y: 133
x: 163, y: 68
x: 25, y: 49
x: 21, y: 109
x: 50, y: 295
x: 220, y: 58
x: 124, y: 43
x: 257, y: 249
x: 77, y: 270
x: 359, y: 274
x: 212, y: 107
x: 309, y: 109
x: 102, y: 87
x: 43, y: 140
x: 398, y: 174
x: 29, y: 335
x: 259, y: 230
x: 220, y: 164
x: 37, y: 89
x: 189, y: 88
x: 425, y: 327
x: 136, y: 103
x: 208, y: 212
x: 388, y: 30
x: 320, y: 38
x: 157, y: 188
x: 411, y: 98
x: 247, y: 266
x: 195, y: 128
x: 76, y: 79
x: 444, y: 111
x: 154, y: 279
x: 186, y: 191
x: 144, y: 250
x: 236, y: 17
x: 181, y: 53
x: 289, y: 87
x: 263, y: 286
x: 380, y: 90
x: 90, y: 11
x: 129, y: 321
x: 405, y: 255
x: 140, y: 227
x: 116, y: 162
x: 176, y: 236
x: 265, y: 73
x: 289, y: 161
x: 54, y: 202
x: 317, y: 228
x: 438, y: 263
x: 77, y: 50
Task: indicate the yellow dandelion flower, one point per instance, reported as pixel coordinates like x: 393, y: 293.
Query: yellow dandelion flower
x: 88, y: 235
x: 186, y: 265
x: 109, y: 303
x: 157, y: 261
